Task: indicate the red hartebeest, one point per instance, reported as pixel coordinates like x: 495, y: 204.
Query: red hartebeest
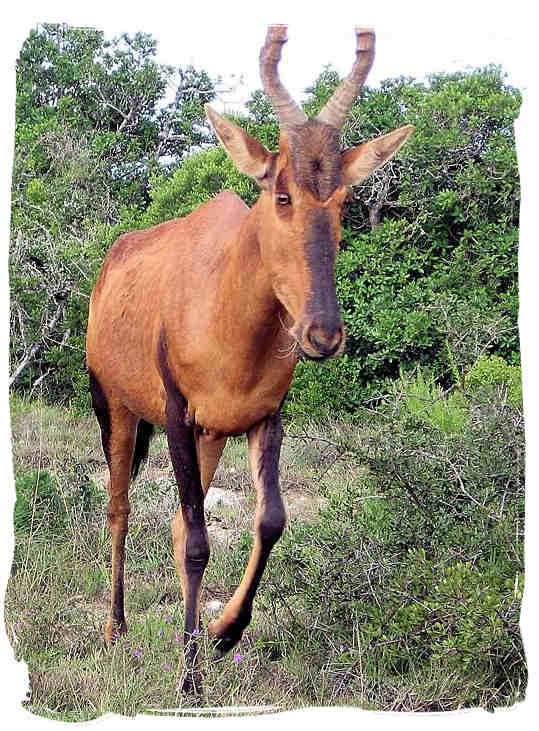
x: 194, y: 324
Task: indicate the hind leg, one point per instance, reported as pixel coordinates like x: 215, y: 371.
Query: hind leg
x: 118, y: 432
x: 208, y: 454
x: 122, y: 444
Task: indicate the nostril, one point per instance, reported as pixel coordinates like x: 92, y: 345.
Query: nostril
x: 323, y: 344
x: 316, y: 343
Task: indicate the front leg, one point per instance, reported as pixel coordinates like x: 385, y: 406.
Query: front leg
x: 189, y: 534
x: 264, y: 451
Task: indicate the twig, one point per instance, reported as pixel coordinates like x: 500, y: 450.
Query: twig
x: 34, y: 349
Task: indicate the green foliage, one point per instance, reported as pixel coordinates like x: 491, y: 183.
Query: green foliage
x: 426, y: 402
x: 39, y: 507
x: 417, y: 566
x: 427, y: 274
x: 201, y: 177
x: 43, y: 508
x: 92, y: 127
x: 320, y: 390
x: 384, y: 288
x: 112, y: 92
x: 493, y: 370
x: 400, y: 590
x: 36, y: 191
x: 320, y: 92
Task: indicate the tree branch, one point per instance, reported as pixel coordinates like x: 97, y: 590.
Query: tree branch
x: 34, y: 349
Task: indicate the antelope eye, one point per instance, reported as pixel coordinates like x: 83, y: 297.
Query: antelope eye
x: 283, y: 199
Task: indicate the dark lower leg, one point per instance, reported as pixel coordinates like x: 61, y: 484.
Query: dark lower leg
x: 264, y: 450
x: 191, y: 545
x: 191, y: 551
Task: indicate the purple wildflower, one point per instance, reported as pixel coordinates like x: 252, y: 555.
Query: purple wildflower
x: 167, y: 668
x: 177, y: 638
x: 137, y: 653
x: 238, y: 657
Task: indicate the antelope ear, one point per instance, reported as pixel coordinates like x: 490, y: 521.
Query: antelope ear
x: 247, y: 154
x: 359, y: 162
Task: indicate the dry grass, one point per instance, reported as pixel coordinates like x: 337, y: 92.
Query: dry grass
x: 57, y: 597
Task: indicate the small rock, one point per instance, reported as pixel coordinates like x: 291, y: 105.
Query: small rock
x: 214, y: 608
x: 217, y: 496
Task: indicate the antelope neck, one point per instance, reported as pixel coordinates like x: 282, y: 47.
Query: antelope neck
x: 247, y: 296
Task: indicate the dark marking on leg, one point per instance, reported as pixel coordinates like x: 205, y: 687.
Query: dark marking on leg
x: 101, y: 408
x: 190, y: 537
x: 264, y: 450
x: 118, y: 607
x: 142, y: 445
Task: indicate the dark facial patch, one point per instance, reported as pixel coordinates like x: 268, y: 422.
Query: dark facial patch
x: 316, y: 157
x: 322, y: 306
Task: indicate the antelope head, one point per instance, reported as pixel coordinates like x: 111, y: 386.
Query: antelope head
x: 304, y: 187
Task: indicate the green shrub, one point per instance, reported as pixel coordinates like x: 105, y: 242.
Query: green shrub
x: 320, y: 390
x: 36, y: 190
x: 492, y: 370
x: 416, y: 566
x: 426, y: 401
x: 200, y: 178
x: 39, y: 506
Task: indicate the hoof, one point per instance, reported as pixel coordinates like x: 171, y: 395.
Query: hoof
x: 224, y: 640
x: 191, y: 682
x: 114, y: 630
x: 222, y: 645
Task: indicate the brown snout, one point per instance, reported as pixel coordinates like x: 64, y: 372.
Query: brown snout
x: 322, y: 342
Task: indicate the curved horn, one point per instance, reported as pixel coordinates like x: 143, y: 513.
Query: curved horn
x: 338, y: 106
x: 288, y: 112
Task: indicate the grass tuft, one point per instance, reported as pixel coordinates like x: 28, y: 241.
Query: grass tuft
x: 396, y: 586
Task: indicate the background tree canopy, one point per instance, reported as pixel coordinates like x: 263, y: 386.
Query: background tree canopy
x: 108, y: 140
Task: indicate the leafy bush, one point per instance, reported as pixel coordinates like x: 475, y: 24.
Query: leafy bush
x: 426, y: 401
x: 39, y: 506
x: 417, y: 567
x: 493, y: 370
x: 320, y: 390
